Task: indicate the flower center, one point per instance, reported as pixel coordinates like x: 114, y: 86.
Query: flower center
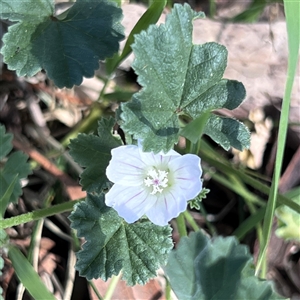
x: 156, y: 179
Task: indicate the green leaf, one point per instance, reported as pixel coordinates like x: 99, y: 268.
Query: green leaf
x: 94, y: 153
x: 288, y: 223
x: 27, y: 275
x: 6, y: 142
x: 69, y: 46
x: 196, y: 202
x: 28, y: 11
x: 178, y: 77
x: 15, y: 168
x: 194, y: 130
x: 113, y: 245
x: 15, y: 165
x: 228, y: 132
x: 5, y: 199
x: 201, y: 268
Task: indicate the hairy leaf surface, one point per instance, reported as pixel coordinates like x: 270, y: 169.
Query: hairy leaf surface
x: 113, y: 245
x: 201, y: 268
x: 94, y: 153
x: 178, y: 77
x: 68, y: 46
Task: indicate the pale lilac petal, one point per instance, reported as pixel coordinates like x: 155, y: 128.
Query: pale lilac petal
x: 166, y: 207
x: 126, y: 166
x: 186, y: 171
x: 160, y: 159
x: 131, y: 202
x: 155, y: 185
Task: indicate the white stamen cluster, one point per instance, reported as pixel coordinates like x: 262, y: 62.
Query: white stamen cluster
x: 157, y: 179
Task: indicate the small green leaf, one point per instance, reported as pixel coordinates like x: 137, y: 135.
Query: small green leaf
x: 288, y: 221
x: 69, y: 46
x: 15, y: 168
x: 94, y: 153
x: 7, y: 192
x: 195, y: 203
x: 6, y: 142
x: 216, y: 269
x: 16, y: 165
x: 178, y: 77
x: 195, y: 128
x: 228, y: 132
x: 112, y: 245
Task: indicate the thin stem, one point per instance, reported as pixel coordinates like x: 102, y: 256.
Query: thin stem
x: 238, y: 189
x: 209, y: 155
x: 212, y: 229
x: 168, y: 290
x: 92, y: 285
x: 38, y: 214
x: 245, y: 194
x: 112, y: 286
x: 181, y: 225
x: 191, y: 220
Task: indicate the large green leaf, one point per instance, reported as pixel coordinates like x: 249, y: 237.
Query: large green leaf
x: 94, y: 153
x: 113, y: 245
x: 69, y: 46
x: 201, y: 268
x: 178, y: 77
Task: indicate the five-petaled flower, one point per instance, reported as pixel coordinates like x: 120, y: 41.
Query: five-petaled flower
x: 155, y: 185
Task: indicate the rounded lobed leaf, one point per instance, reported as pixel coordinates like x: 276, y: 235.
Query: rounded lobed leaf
x: 217, y: 269
x: 113, y: 245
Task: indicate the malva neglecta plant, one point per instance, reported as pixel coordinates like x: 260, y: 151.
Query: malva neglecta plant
x: 135, y: 189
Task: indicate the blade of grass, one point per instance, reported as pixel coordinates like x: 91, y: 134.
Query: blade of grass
x: 292, y: 11
x: 26, y: 274
x: 151, y: 16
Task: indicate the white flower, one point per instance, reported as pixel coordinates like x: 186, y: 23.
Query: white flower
x: 155, y: 185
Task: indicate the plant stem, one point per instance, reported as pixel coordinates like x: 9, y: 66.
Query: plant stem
x: 181, y: 225
x: 168, y: 290
x: 209, y: 155
x: 191, y: 220
x: 91, y: 283
x: 112, y: 286
x: 38, y: 214
x: 211, y: 228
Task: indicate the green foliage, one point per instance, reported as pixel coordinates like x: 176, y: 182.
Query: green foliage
x: 201, y: 268
x: 15, y: 168
x: 94, y: 153
x: 27, y: 275
x: 179, y: 77
x: 6, y: 142
x: 151, y: 16
x: 253, y: 12
x: 113, y: 245
x: 288, y: 221
x: 195, y: 203
x: 228, y: 132
x: 68, y: 46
